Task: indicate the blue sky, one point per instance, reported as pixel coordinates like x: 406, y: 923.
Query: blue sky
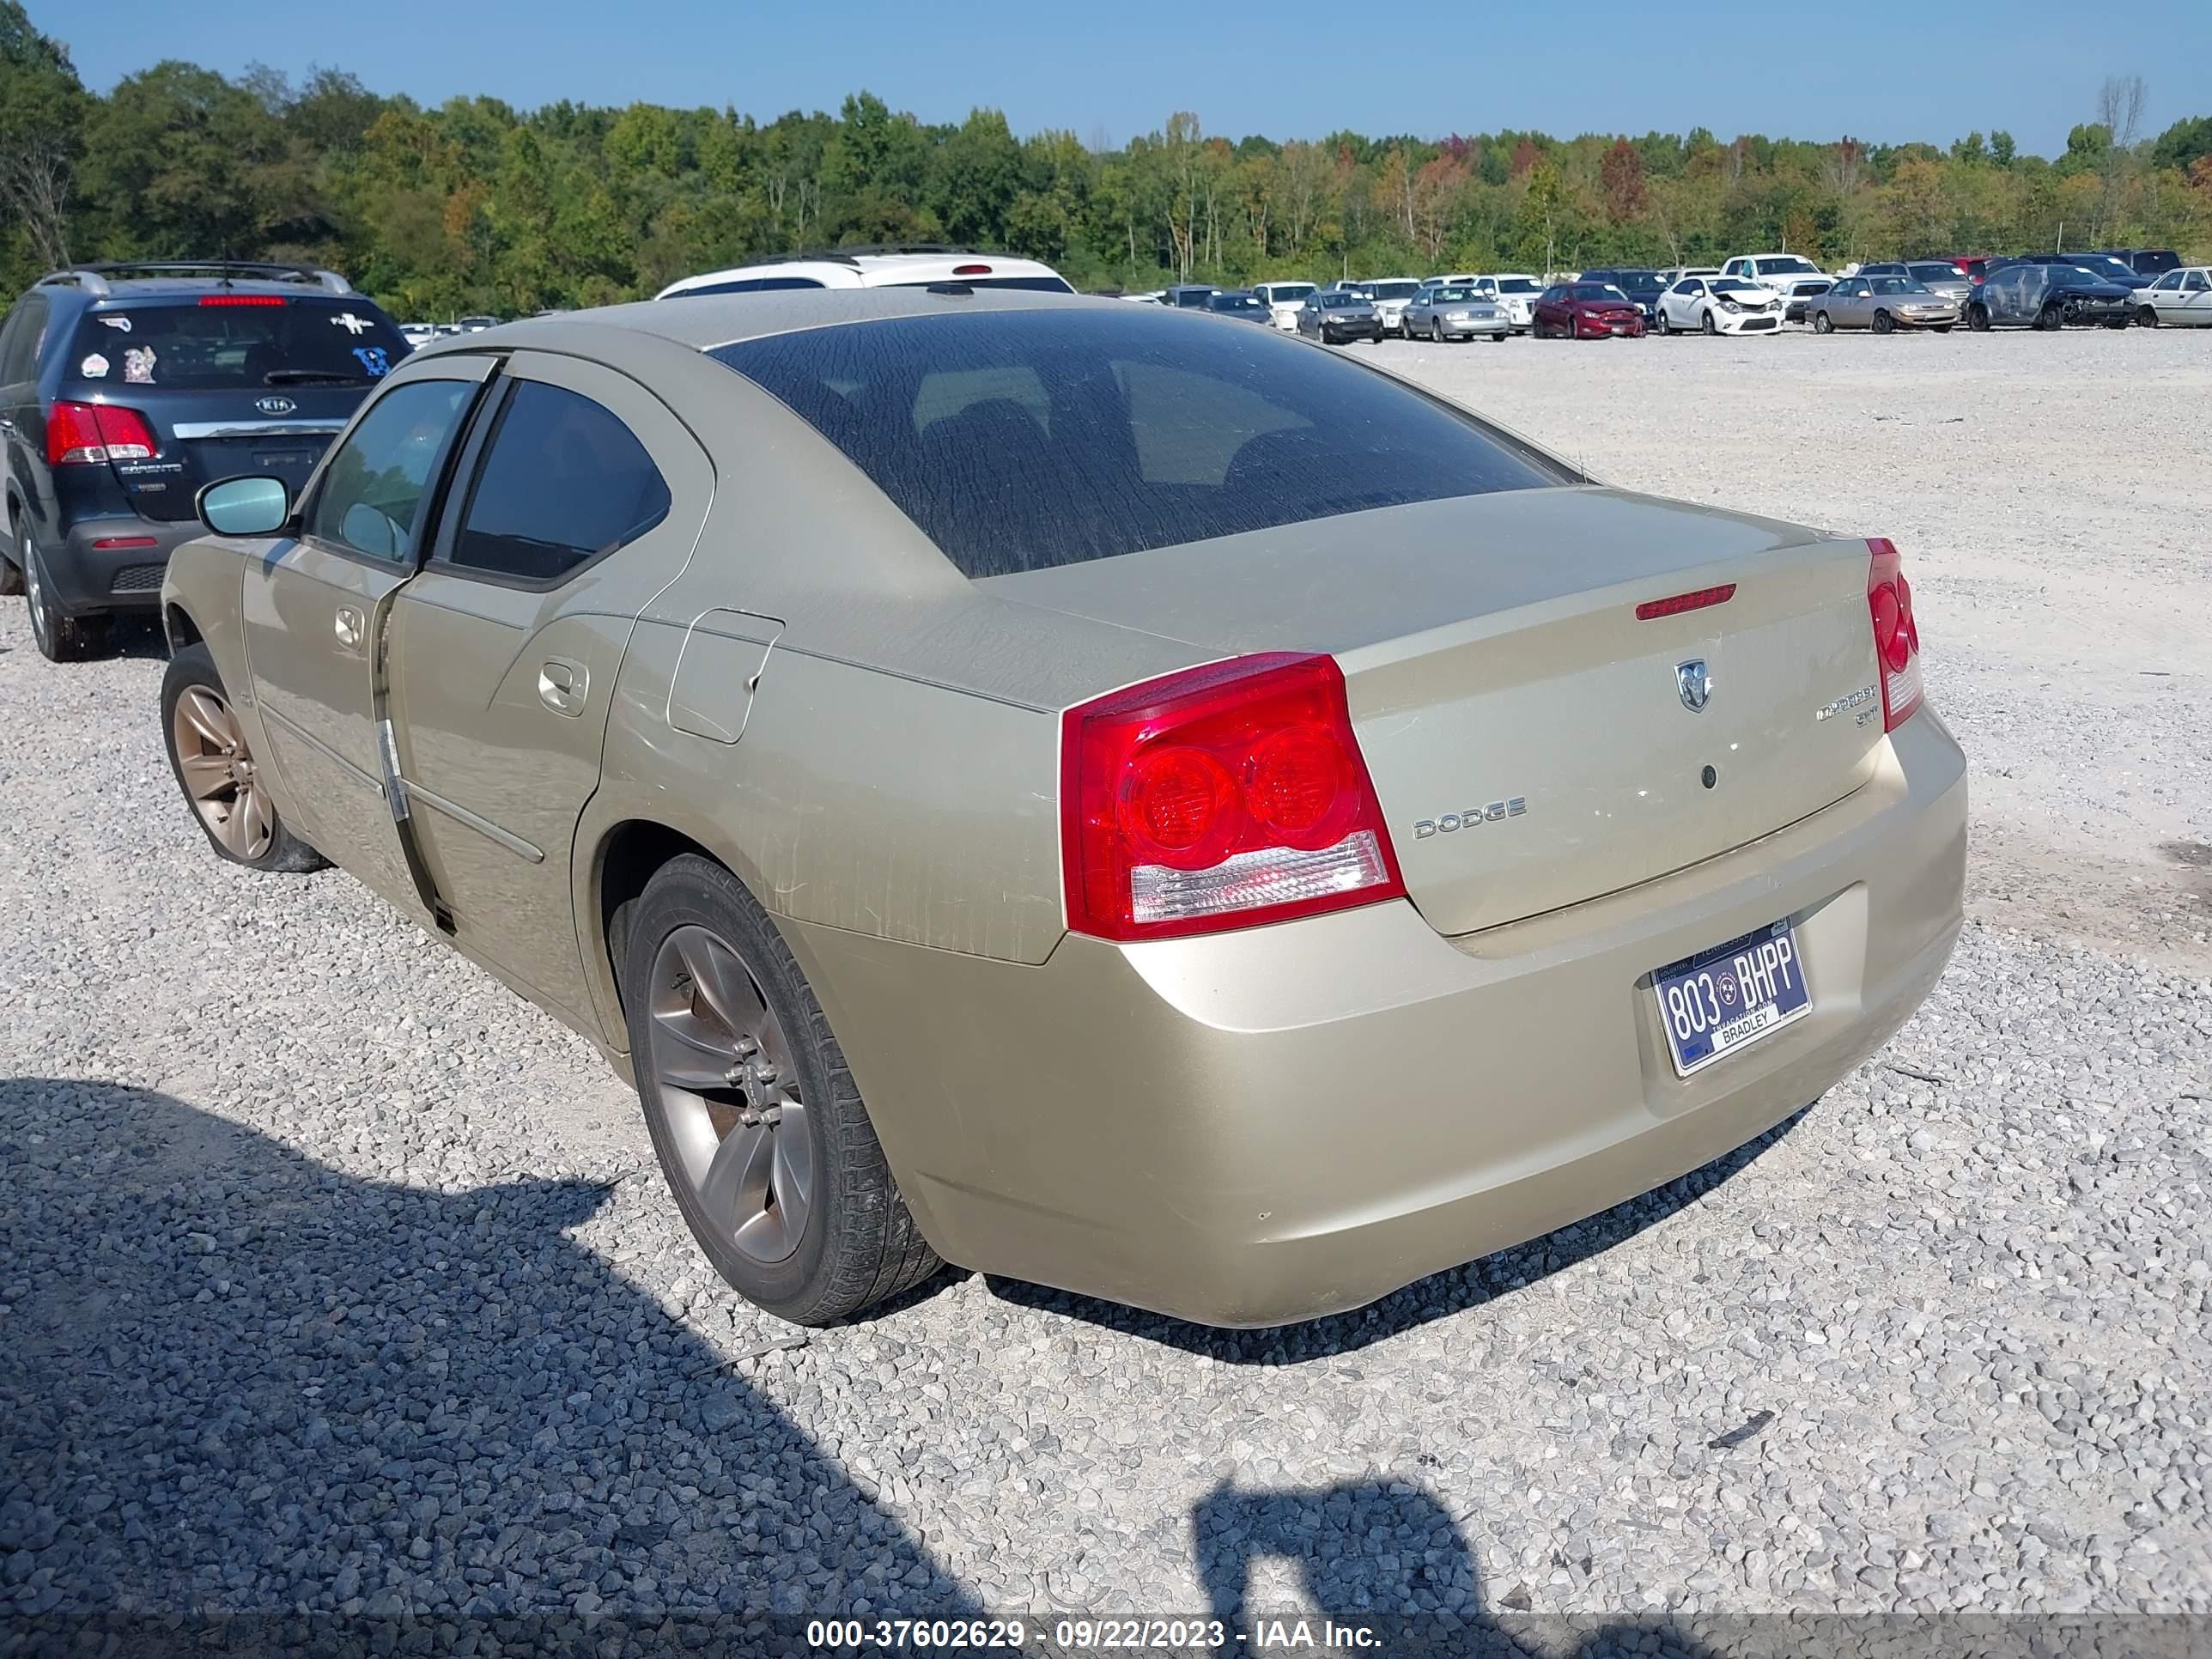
x: 1808, y: 70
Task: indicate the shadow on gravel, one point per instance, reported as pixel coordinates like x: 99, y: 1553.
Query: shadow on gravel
x: 1437, y: 1296
x: 1393, y: 1554
x: 231, y: 1377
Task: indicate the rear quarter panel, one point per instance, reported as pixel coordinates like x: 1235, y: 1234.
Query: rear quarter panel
x: 201, y: 595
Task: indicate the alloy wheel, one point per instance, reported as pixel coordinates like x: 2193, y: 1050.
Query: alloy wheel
x: 726, y: 1084
x: 219, y: 774
x: 35, y: 596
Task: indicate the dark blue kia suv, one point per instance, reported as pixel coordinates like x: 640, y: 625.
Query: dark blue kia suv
x: 124, y: 389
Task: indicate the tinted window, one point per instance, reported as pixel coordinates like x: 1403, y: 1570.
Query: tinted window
x: 1936, y: 273
x: 1516, y: 285
x: 2151, y: 261
x: 371, y: 499
x: 1898, y: 285
x: 1600, y: 292
x: 1787, y: 267
x: 254, y: 341
x: 1450, y: 296
x: 1152, y: 431
x: 748, y: 285
x: 1394, y: 290
x: 563, y: 482
x: 27, y: 331
x: 2195, y: 282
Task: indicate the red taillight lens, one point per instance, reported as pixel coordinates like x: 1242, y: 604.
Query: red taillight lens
x: 81, y: 435
x: 971, y: 270
x: 1896, y: 634
x: 241, y: 299
x: 1219, y: 797
x: 1675, y: 603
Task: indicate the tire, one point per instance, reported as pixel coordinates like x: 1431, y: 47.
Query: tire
x: 1944, y: 328
x: 1821, y: 325
x: 2117, y: 322
x: 697, y: 941
x: 2051, y: 317
x: 1884, y: 323
x: 1436, y: 333
x: 2146, y: 318
x: 1501, y: 337
x: 1666, y: 324
x: 1705, y: 322
x: 59, y: 638
x: 1978, y: 318
x: 233, y: 808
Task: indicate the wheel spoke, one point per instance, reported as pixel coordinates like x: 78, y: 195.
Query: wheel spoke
x: 722, y: 983
x: 736, y: 1184
x: 688, y: 1053
x: 770, y: 1234
x: 794, y: 1165
x: 254, y: 812
x: 208, y: 718
x: 205, y: 776
x: 228, y: 823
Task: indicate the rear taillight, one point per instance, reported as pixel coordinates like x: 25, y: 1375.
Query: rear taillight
x: 1218, y: 796
x: 81, y: 435
x: 1896, y: 634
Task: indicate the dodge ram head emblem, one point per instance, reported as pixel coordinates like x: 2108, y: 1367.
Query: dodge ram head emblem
x: 1696, y: 684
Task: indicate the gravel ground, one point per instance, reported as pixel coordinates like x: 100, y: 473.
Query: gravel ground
x: 333, y: 1277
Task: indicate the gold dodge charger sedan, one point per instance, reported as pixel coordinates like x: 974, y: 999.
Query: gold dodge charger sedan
x: 1075, y: 790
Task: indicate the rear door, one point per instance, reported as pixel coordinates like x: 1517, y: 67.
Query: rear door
x: 311, y: 613
x: 2196, y: 298
x: 582, y: 498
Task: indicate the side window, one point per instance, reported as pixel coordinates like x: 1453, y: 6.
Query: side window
x: 562, y: 480
x: 1688, y: 285
x: 2198, y: 282
x: 27, y: 332
x: 371, y: 497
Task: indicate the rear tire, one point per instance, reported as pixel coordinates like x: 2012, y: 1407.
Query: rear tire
x: 855, y: 1242
x: 59, y: 638
x: 207, y: 749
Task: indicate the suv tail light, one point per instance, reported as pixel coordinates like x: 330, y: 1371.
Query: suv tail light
x: 81, y: 435
x: 1218, y: 796
x: 1896, y: 634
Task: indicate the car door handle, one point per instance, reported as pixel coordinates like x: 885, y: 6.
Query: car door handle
x: 346, y: 626
x: 561, y: 685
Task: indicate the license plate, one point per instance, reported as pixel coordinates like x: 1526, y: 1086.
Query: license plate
x: 1725, y: 999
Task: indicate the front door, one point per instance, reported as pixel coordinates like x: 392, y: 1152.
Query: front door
x: 312, y: 610
x: 582, y: 499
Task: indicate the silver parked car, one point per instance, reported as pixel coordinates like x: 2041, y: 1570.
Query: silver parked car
x: 1449, y: 312
x: 1884, y: 304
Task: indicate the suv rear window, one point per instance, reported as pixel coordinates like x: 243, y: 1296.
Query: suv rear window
x: 223, y: 341
x: 1018, y: 441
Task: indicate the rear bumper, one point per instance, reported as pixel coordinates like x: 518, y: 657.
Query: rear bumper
x: 113, y: 563
x: 1287, y: 1122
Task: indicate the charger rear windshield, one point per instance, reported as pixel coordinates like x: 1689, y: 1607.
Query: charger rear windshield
x: 1020, y: 439
x: 236, y: 341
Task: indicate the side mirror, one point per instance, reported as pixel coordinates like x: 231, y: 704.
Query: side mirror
x: 245, y: 506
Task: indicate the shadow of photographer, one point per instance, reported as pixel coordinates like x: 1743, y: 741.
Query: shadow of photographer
x: 233, y: 1378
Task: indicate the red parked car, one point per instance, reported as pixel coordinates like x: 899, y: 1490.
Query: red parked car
x: 1586, y: 311
x: 1972, y: 266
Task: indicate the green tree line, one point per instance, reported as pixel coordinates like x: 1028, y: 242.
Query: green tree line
x: 477, y: 206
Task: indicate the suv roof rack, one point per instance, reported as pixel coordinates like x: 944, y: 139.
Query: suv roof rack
x: 95, y: 279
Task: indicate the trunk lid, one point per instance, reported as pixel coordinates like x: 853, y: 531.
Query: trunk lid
x: 1528, y: 736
